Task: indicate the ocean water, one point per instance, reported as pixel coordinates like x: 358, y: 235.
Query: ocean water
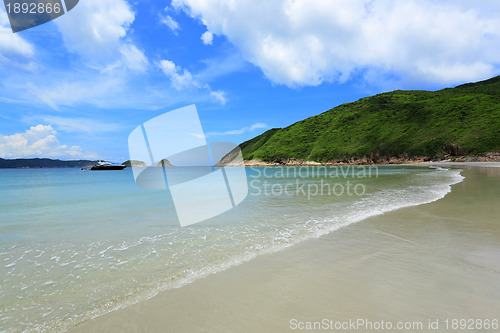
x: 75, y: 245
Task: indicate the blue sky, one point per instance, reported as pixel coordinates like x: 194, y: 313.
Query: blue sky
x: 77, y: 86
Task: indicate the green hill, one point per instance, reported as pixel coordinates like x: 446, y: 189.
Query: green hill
x: 43, y: 163
x: 455, y: 121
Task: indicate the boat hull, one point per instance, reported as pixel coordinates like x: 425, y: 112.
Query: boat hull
x: 107, y: 167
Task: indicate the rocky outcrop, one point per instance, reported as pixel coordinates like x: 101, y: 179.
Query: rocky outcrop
x: 164, y: 163
x: 134, y: 163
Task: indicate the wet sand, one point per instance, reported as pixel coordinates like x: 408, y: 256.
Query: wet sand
x: 435, y: 261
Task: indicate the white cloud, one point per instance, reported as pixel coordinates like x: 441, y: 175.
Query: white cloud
x: 97, y: 30
x: 38, y: 141
x: 308, y: 42
x: 239, y: 131
x: 14, y: 50
x: 133, y: 58
x: 182, y: 79
x: 105, y: 69
x: 219, y: 96
x: 170, y: 22
x: 207, y: 37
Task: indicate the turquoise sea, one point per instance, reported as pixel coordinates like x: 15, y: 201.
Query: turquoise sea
x: 75, y: 245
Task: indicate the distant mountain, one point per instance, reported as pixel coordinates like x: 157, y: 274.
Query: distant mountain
x: 451, y: 122
x: 43, y: 163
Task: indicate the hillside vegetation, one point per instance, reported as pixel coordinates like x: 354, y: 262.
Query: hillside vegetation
x: 451, y: 122
x: 43, y: 163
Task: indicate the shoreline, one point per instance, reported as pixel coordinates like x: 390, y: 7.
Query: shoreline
x: 445, y: 163
x: 181, y: 309
x: 493, y: 157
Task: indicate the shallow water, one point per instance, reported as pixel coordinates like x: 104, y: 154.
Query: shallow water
x: 75, y: 245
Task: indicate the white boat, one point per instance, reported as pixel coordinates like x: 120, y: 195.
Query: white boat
x: 103, y: 165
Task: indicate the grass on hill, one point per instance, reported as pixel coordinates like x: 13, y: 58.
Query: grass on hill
x: 455, y: 121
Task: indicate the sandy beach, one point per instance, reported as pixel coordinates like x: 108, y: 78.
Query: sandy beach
x: 423, y: 264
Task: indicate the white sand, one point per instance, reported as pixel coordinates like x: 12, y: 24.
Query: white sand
x: 435, y: 261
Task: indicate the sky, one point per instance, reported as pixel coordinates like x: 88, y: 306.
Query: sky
x: 76, y: 87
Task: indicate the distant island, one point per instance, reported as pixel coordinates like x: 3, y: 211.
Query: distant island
x: 43, y: 163
x: 134, y: 163
x: 140, y: 164
x: 461, y: 124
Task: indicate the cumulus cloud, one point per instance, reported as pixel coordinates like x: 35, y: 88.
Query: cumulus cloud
x: 239, y: 131
x: 182, y: 79
x: 170, y: 22
x: 97, y: 32
x: 207, y: 38
x: 308, y: 42
x: 105, y: 68
x: 38, y: 141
